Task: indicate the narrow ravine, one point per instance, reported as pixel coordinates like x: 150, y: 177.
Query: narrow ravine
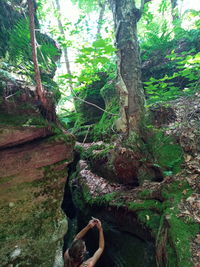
x: 127, y: 242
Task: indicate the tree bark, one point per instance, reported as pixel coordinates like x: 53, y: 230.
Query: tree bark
x: 47, y: 107
x: 39, y: 88
x: 102, y: 6
x: 129, y: 82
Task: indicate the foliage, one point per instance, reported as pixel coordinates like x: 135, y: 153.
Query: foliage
x: 95, y: 58
x: 181, y: 231
x: 105, y: 128
x: 87, y: 5
x: 166, y: 152
x: 20, y: 53
x: 187, y: 71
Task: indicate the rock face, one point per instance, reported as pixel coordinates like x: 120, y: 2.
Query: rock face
x: 11, y: 136
x: 33, y: 172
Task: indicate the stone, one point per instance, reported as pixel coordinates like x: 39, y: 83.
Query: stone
x: 32, y: 177
x: 13, y: 135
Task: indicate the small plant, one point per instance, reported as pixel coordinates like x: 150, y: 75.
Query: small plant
x: 168, y: 88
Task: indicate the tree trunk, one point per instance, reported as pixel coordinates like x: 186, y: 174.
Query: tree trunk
x: 39, y: 89
x: 65, y: 48
x: 46, y: 105
x: 129, y: 82
x: 101, y: 15
x: 174, y: 12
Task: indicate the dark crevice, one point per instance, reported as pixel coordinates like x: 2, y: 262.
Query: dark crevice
x: 127, y: 242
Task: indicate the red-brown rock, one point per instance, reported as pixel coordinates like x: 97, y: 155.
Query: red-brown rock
x: 12, y: 135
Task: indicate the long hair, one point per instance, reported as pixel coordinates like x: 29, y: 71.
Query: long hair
x: 76, y: 253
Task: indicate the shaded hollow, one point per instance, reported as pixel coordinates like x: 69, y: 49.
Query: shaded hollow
x: 127, y: 243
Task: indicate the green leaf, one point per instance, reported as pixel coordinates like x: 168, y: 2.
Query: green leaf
x: 99, y: 43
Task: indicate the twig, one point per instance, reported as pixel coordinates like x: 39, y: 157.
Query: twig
x: 86, y: 134
x: 94, y: 105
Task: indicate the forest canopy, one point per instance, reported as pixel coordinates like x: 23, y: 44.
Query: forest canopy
x: 76, y: 40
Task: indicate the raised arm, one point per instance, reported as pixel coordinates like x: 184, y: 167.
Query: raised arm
x: 92, y: 261
x: 83, y: 232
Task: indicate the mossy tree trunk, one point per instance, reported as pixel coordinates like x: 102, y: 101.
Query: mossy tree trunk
x: 46, y: 103
x: 129, y: 84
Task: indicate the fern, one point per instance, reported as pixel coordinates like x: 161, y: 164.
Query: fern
x: 20, y: 53
x: 19, y: 43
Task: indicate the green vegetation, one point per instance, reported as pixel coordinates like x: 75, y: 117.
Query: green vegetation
x: 167, y: 153
x: 150, y: 219
x: 181, y: 231
x: 168, y: 88
x: 92, y: 80
x: 32, y: 221
x: 156, y: 216
x: 22, y: 120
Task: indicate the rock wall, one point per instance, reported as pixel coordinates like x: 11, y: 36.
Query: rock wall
x: 33, y: 172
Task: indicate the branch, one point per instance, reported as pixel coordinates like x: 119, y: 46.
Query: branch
x: 91, y: 104
x: 143, y: 2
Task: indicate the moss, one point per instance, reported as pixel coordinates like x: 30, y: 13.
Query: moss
x: 32, y: 221
x: 144, y: 205
x: 145, y: 193
x: 159, y: 217
x: 66, y: 138
x: 22, y: 120
x: 101, y: 151
x: 180, y: 234
x: 171, y: 256
x: 166, y: 152
x: 176, y: 191
x: 150, y: 219
x: 180, y: 231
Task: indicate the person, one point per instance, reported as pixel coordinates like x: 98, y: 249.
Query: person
x: 74, y: 256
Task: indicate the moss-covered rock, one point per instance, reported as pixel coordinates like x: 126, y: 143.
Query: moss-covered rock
x: 154, y: 207
x: 33, y: 172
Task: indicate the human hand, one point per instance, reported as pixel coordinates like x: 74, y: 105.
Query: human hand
x: 98, y: 224
x: 92, y: 223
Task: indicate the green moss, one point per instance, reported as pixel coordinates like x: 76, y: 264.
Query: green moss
x: 176, y: 191
x: 32, y: 222
x: 180, y: 231
x: 22, y: 120
x: 101, y: 151
x: 66, y: 138
x: 166, y: 152
x: 144, y: 205
x: 150, y: 219
x: 145, y: 193
x: 171, y: 256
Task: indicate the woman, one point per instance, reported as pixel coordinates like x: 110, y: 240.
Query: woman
x: 74, y: 256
